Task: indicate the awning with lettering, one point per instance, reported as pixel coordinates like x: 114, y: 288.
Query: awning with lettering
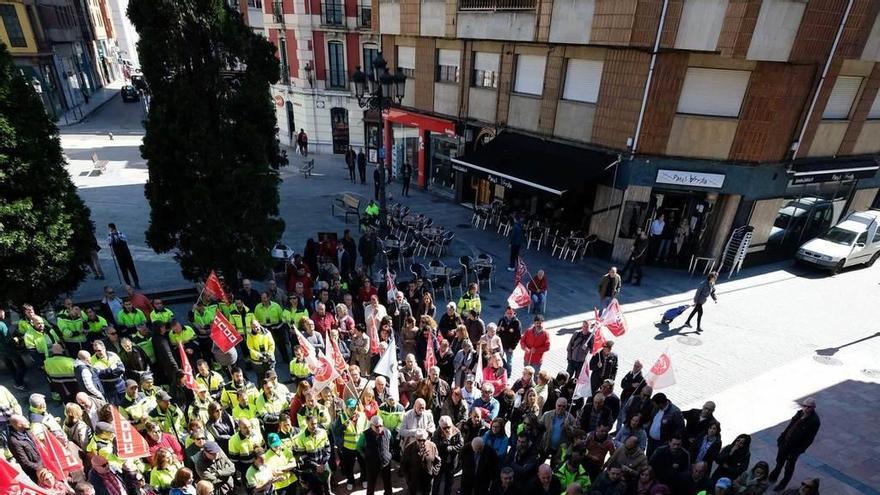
x: 536, y: 163
x: 833, y: 169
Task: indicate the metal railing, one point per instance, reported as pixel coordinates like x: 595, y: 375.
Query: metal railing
x: 365, y: 17
x: 278, y: 12
x: 337, y: 79
x: 333, y: 13
x: 494, y: 5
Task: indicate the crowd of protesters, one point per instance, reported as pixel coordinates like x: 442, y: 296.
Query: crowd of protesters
x: 455, y: 418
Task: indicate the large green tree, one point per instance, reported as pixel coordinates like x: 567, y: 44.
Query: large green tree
x: 46, y: 235
x: 211, y: 140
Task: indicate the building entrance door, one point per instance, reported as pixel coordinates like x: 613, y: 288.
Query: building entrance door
x: 339, y: 124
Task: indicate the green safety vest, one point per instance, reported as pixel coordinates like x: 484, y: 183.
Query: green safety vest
x: 242, y: 449
x: 136, y: 409
x: 170, y: 421
x: 145, y: 343
x: 98, y: 325
x: 320, y: 412
x: 308, y: 443
x: 241, y: 323
x: 164, y: 316
x: 567, y: 477
x: 228, y: 398
x: 72, y: 330
x: 269, y: 316
x: 203, y: 320
x: 131, y: 320
x: 293, y: 318
x: 391, y: 419
x: 40, y: 341
x: 161, y: 478
x: 260, y: 344
x: 353, y: 430
x: 184, y: 337
x: 213, y: 382
x: 278, y: 460
x: 243, y: 412
x: 59, y: 367
x: 299, y: 369
x: 273, y: 405
x: 199, y: 409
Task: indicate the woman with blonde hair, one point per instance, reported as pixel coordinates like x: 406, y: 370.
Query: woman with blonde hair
x: 75, y: 427
x: 53, y: 486
x: 461, y: 334
x: 408, y: 335
x: 164, y: 472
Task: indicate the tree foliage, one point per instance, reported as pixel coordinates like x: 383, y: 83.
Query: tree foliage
x: 46, y: 234
x: 210, y: 144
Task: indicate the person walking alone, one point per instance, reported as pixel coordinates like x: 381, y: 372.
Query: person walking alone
x: 517, y: 238
x: 119, y: 245
x: 406, y: 178
x: 362, y: 166
x: 350, y: 161
x: 302, y: 142
x: 704, y: 292
x: 377, y: 182
x: 794, y: 441
x: 609, y: 287
x: 633, y: 267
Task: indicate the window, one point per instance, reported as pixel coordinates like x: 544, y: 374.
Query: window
x: 447, y: 66
x: 842, y: 97
x: 255, y: 4
x: 876, y: 239
x: 529, y: 74
x: 13, y: 26
x: 406, y: 60
x: 333, y: 13
x: 717, y: 92
x: 486, y: 69
x: 863, y: 238
x: 370, y: 52
x: 582, y: 80
x: 874, y: 111
x: 282, y: 56
x: 336, y: 56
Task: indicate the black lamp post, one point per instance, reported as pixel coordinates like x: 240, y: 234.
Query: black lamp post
x: 379, y: 90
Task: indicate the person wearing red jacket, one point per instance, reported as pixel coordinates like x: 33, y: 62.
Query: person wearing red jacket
x: 538, y: 291
x: 535, y: 342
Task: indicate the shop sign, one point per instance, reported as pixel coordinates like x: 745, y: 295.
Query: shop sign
x: 692, y: 179
x: 459, y: 168
x: 833, y: 177
x: 500, y: 181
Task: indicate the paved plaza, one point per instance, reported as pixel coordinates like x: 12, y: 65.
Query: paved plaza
x: 777, y: 334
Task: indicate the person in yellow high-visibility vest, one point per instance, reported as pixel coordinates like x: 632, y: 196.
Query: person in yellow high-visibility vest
x: 261, y: 349
x: 60, y: 373
x: 95, y: 324
x: 73, y: 329
x: 354, y: 422
x: 201, y: 317
x: 312, y: 444
x: 160, y: 312
x: 281, y: 459
x: 243, y: 443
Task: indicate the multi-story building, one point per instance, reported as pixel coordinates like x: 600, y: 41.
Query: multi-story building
x: 600, y: 115
x: 320, y: 43
x: 98, y: 33
x: 125, y: 33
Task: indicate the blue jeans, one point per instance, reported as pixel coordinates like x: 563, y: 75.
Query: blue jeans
x: 508, y: 362
x: 537, y: 303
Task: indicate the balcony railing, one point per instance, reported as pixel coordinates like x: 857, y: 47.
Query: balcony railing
x: 337, y: 79
x: 365, y: 17
x: 332, y: 13
x: 278, y: 12
x: 495, y: 5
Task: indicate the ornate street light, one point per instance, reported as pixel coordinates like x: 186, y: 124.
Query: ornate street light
x: 385, y: 89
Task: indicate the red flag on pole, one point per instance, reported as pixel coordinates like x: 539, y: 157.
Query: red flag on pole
x: 612, y: 318
x: 520, y: 271
x: 519, y: 298
x: 67, y: 460
x: 129, y: 443
x: 430, y: 357
x: 373, y: 333
x: 582, y: 387
x: 8, y: 473
x: 48, y: 458
x: 392, y: 288
x: 661, y: 375
x: 214, y: 287
x: 598, y: 339
x: 27, y: 487
x: 335, y: 356
x: 307, y: 347
x: 223, y: 333
x: 187, y: 368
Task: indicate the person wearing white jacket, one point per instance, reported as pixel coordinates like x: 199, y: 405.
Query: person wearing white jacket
x: 416, y: 418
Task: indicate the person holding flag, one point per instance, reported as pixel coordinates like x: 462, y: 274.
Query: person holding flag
x: 603, y: 364
x: 579, y: 347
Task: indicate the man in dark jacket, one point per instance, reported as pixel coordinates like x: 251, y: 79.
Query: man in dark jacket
x: 119, y: 245
x: 377, y: 182
x: 23, y: 446
x: 350, y: 160
x: 362, y: 166
x: 579, y: 346
x: 795, y: 440
x: 479, y: 468
x: 517, y: 239
x: 609, y: 287
x: 166, y: 363
x: 694, y: 481
x: 637, y: 259
x: 603, y: 366
x: 510, y: 333
x: 522, y: 459
x: 376, y: 452
x: 666, y: 421
x: 697, y: 422
x: 609, y: 482
x: 545, y: 483
x: 350, y: 247
x: 213, y: 466
x: 87, y: 376
x: 420, y: 463
x: 671, y: 461
x: 368, y: 247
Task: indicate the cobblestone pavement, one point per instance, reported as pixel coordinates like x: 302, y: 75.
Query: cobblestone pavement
x: 757, y: 355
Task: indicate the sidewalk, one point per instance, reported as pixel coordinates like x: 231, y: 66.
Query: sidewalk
x: 97, y: 99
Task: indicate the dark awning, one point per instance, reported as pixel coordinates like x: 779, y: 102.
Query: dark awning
x: 833, y: 169
x: 544, y: 165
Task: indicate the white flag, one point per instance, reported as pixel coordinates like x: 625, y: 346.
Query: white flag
x: 478, y: 371
x: 323, y: 371
x: 661, y: 374
x: 582, y: 388
x: 387, y: 367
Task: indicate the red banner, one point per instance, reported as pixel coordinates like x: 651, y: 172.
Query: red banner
x: 519, y: 298
x: 336, y: 357
x: 431, y: 358
x: 8, y: 473
x: 187, y: 368
x: 48, y: 457
x: 598, y: 339
x: 612, y: 318
x: 67, y: 460
x: 520, y: 271
x: 129, y: 443
x: 214, y: 287
x: 223, y: 333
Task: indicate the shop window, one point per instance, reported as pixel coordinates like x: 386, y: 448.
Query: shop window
x: 13, y: 26
x: 582, y: 80
x: 843, y: 94
x: 635, y: 214
x: 447, y: 66
x: 530, y: 74
x: 486, y: 70
x: 714, y: 92
x: 406, y: 60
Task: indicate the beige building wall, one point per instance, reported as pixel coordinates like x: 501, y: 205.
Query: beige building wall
x: 764, y: 213
x: 862, y: 199
x: 828, y: 137
x: 574, y: 120
x: 572, y: 21
x: 524, y: 112
x: 389, y: 16
x: 482, y: 104
x: 512, y: 26
x: 433, y: 18
x: 446, y: 99
x: 701, y: 137
x: 869, y: 138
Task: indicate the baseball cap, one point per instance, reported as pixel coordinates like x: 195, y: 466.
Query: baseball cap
x: 351, y: 403
x: 723, y: 483
x: 163, y: 395
x: 274, y: 440
x: 212, y: 448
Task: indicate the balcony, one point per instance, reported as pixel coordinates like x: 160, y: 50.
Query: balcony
x: 337, y: 79
x: 278, y: 12
x: 332, y: 13
x: 496, y: 5
x: 365, y: 17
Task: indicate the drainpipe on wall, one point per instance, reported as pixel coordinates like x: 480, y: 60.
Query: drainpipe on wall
x: 635, y: 143
x: 797, y: 144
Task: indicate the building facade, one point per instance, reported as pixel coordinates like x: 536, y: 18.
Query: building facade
x: 125, y: 34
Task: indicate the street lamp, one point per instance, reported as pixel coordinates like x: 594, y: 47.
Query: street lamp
x: 384, y: 90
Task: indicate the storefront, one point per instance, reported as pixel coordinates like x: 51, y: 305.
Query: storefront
x: 407, y: 137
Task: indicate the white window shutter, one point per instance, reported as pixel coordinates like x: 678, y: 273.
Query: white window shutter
x: 406, y: 57
x: 717, y: 92
x: 448, y: 57
x: 843, y: 94
x: 530, y: 74
x: 582, y: 80
x: 487, y: 61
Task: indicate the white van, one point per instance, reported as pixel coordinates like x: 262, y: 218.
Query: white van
x: 854, y: 241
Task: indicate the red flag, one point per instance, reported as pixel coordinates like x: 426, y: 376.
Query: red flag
x: 67, y: 460
x: 661, y: 375
x: 307, y: 347
x: 48, y: 458
x: 323, y: 371
x: 335, y: 356
x: 598, y: 339
x: 8, y: 473
x: 519, y: 298
x: 612, y: 318
x: 430, y: 358
x: 187, y: 368
x: 373, y: 333
x: 582, y: 387
x: 223, y: 333
x: 27, y: 487
x: 129, y: 443
x: 520, y: 271
x: 214, y: 287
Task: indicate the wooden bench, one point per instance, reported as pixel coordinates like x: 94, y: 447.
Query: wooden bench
x: 307, y: 168
x: 349, y: 204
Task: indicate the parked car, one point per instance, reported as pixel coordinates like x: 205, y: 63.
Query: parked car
x: 129, y: 93
x: 799, y: 219
x: 854, y: 241
x: 138, y: 81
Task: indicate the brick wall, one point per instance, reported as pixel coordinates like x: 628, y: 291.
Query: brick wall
x: 467, y: 65
x: 552, y: 89
x: 817, y: 31
x: 861, y: 112
x: 620, y: 97
x: 816, y: 118
x: 425, y: 62
x: 670, y: 26
x: 613, y: 21
x: 663, y: 97
x: 451, y: 16
x: 410, y: 16
x: 858, y: 27
x: 352, y: 52
x: 738, y: 27
x: 645, y: 22
x: 388, y: 50
x: 545, y: 12
x: 374, y: 17
x: 319, y: 62
x: 505, y: 82
x: 777, y: 97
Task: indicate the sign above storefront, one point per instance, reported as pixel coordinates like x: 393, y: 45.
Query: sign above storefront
x: 691, y: 179
x: 839, y: 175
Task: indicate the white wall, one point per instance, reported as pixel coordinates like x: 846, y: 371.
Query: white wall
x: 482, y: 104
x: 389, y: 16
x: 126, y: 35
x: 432, y: 18
x: 572, y: 21
x: 700, y: 24
x: 311, y: 111
x: 777, y: 26
x: 518, y: 26
x: 446, y: 98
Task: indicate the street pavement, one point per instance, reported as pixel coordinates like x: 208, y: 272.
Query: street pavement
x: 777, y: 335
